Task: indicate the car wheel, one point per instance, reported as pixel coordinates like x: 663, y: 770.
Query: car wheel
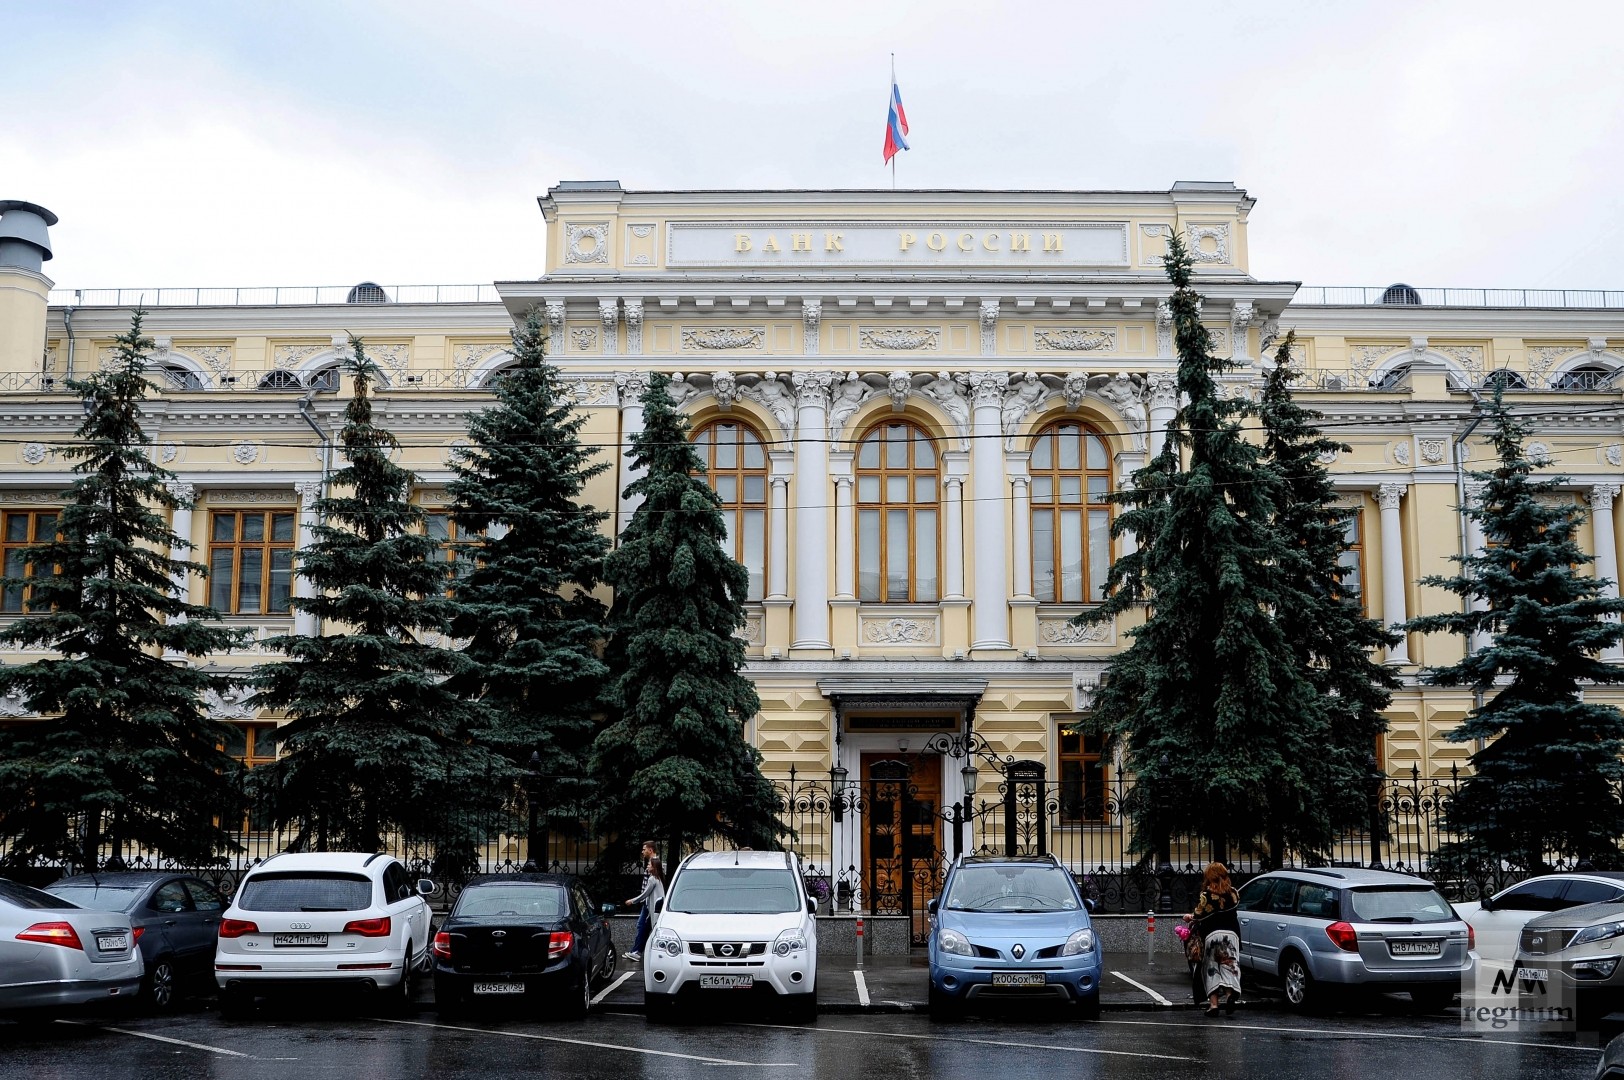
x: 1433, y: 998
x: 611, y: 960
x: 658, y: 1008
x: 579, y: 1003
x: 1302, y: 993
x: 158, y: 987
x: 942, y: 1006
x: 399, y: 1000
x: 1088, y: 1007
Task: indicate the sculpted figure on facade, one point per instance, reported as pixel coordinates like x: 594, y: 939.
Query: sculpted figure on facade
x: 1239, y: 319
x: 899, y: 384
x: 1164, y: 328
x: 771, y: 395
x: 634, y: 327
x: 680, y: 388
x: 725, y: 388
x: 609, y: 315
x: 849, y: 395
x: 1020, y: 400
x: 555, y: 323
x: 989, y: 327
x: 811, y: 316
x: 946, y: 393
x: 1126, y: 396
x: 1074, y: 388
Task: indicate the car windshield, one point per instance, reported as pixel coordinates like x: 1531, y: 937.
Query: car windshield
x: 100, y: 897
x: 25, y: 897
x: 1401, y: 904
x: 1012, y: 888
x: 306, y: 892
x: 508, y: 901
x: 734, y: 890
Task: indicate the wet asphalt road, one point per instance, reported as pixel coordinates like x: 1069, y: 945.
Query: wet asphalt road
x: 315, y: 1040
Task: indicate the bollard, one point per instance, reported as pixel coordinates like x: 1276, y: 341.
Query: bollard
x: 859, y: 941
x: 1150, y: 938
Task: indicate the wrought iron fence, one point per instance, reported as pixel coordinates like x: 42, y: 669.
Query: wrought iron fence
x: 276, y: 295
x: 1339, y: 295
x: 875, y: 846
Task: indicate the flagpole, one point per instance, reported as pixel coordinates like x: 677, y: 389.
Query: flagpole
x: 889, y: 90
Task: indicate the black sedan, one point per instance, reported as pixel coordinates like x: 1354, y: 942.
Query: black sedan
x: 175, y: 917
x: 523, y: 938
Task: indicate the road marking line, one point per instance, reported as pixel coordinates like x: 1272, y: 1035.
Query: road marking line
x: 1344, y: 1032
x: 821, y: 1030
x: 612, y: 987
x: 862, y: 988
x: 159, y: 1038
x: 701, y: 1058
x: 1157, y: 998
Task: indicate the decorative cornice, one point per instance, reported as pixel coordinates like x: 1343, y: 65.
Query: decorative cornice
x: 1075, y: 340
x: 712, y: 338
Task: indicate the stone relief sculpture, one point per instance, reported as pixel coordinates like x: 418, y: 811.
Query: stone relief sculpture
x: 1127, y: 397
x: 899, y: 384
x: 946, y: 392
x: 1020, y: 400
x: 849, y: 395
x: 774, y: 396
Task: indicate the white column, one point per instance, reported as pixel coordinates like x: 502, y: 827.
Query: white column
x: 778, y: 539
x: 181, y: 525
x: 631, y: 385
x: 1021, y: 507
x: 990, y: 626
x: 845, y: 542
x: 1601, y: 525
x: 1387, y: 497
x: 305, y: 623
x: 1475, y: 546
x: 953, y: 553
x: 1163, y: 391
x: 811, y: 622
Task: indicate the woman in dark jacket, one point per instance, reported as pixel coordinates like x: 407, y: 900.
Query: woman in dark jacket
x: 1215, y: 922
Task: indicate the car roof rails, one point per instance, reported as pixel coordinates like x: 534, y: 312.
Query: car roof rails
x: 374, y: 855
x: 1320, y: 870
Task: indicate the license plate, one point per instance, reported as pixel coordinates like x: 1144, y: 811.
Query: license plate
x: 1019, y: 978
x: 726, y: 982
x: 112, y: 942
x: 1533, y: 975
x: 499, y: 988
x: 316, y: 940
x: 1416, y: 948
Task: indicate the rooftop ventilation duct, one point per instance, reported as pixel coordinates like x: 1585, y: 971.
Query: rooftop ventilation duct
x: 367, y: 293
x: 24, y: 241
x: 1401, y: 294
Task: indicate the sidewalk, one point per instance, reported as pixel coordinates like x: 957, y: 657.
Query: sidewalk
x: 898, y: 984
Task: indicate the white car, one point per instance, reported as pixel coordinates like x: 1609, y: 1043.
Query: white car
x: 734, y: 924
x: 324, y: 920
x: 54, y: 953
x: 1498, y: 921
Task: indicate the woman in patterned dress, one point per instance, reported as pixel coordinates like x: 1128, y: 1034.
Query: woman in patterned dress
x: 1214, y: 919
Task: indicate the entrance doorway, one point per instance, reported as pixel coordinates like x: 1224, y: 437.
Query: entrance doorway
x: 902, y: 835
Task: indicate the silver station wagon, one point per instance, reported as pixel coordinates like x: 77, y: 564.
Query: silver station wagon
x: 1322, y: 931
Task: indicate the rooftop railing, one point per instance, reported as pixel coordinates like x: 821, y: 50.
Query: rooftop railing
x: 1356, y: 295
x: 277, y: 295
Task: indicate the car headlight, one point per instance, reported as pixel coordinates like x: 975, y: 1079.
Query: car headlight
x: 1599, y: 932
x: 1080, y: 942
x: 790, y: 941
x: 951, y: 941
x: 668, y: 941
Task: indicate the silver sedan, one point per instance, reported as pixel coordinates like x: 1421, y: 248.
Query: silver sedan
x: 55, y: 954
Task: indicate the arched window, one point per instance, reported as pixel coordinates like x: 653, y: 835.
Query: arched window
x: 280, y: 380
x: 1071, y: 519
x: 736, y: 469
x: 898, y: 515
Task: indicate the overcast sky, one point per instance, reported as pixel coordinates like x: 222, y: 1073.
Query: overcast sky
x: 1464, y: 144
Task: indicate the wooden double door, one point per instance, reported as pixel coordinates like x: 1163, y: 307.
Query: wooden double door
x: 903, y: 863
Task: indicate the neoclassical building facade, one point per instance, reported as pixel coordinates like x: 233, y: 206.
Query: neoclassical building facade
x: 912, y: 403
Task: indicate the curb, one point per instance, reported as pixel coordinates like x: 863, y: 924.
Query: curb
x: 907, y: 1007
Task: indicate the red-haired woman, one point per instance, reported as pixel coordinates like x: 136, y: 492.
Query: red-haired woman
x: 1214, y: 919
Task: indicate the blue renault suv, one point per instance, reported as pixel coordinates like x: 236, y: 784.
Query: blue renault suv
x: 1012, y: 928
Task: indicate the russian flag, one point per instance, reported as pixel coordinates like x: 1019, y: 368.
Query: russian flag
x: 896, y: 125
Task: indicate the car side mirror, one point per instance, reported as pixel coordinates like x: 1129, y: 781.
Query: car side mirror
x: 811, y: 906
x: 425, y: 887
x: 1089, y: 905
x: 659, y: 906
x: 1487, y: 904
x: 933, y: 905
x: 607, y: 909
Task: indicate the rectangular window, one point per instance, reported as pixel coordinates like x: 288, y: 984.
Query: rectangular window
x: 1083, y: 795
x: 251, y: 561
x: 1352, y: 560
x: 19, y: 530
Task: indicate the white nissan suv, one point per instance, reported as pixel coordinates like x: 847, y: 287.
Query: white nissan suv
x: 734, y: 923
x: 330, y: 919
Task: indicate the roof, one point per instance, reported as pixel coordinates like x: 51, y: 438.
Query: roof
x: 120, y: 879
x: 1352, y: 876
x: 739, y: 858
x: 520, y: 878
x: 1002, y: 860
x: 322, y: 860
